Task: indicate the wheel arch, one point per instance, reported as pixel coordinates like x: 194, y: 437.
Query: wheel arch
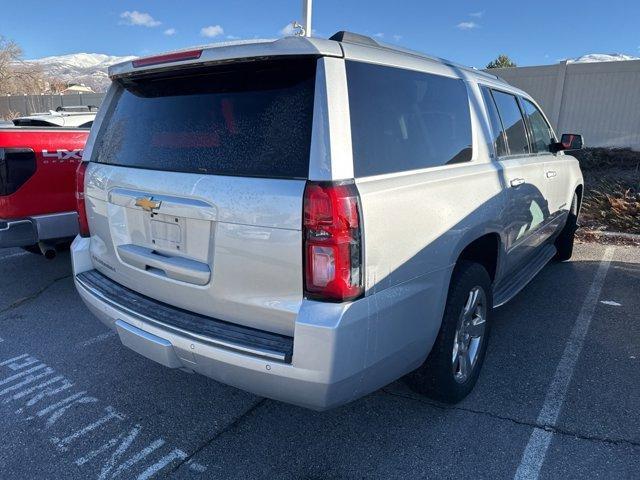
x: 579, y: 192
x: 484, y: 249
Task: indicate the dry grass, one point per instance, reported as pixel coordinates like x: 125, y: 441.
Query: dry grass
x: 612, y: 190
x: 613, y: 205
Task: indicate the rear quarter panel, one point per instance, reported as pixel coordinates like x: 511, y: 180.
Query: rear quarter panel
x: 415, y: 226
x: 418, y: 223
x: 51, y: 188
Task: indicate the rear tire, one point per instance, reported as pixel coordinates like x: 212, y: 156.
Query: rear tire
x: 564, y: 241
x: 453, y: 365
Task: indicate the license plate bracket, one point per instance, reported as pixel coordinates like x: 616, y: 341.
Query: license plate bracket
x: 166, y: 231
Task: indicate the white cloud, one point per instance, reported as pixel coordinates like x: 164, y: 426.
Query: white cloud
x: 138, y: 19
x: 211, y: 31
x: 397, y: 37
x: 477, y: 14
x: 379, y: 35
x: 288, y: 30
x: 467, y: 25
x: 170, y: 31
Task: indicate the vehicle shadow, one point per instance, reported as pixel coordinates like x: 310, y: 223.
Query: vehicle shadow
x: 396, y: 433
x: 390, y: 433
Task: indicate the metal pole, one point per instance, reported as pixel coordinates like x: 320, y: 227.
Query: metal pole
x: 306, y: 16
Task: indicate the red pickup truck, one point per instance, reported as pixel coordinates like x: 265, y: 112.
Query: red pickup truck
x: 37, y: 186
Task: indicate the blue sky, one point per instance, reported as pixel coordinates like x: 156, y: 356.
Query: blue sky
x: 471, y: 32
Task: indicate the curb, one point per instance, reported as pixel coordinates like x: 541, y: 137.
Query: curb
x: 628, y: 236
x: 620, y: 236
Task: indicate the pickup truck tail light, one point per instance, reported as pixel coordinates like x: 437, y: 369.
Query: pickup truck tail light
x: 80, y: 203
x: 332, y: 241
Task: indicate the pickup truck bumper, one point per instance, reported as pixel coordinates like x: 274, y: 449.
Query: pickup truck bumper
x: 338, y: 353
x: 40, y: 228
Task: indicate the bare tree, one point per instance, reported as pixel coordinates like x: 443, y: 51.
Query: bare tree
x: 16, y: 75
x: 56, y: 85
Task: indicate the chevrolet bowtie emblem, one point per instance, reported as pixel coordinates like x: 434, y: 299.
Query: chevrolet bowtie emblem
x: 148, y: 204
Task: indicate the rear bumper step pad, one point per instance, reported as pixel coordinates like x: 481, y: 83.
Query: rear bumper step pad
x: 216, y: 332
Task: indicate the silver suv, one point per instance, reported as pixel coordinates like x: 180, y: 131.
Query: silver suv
x: 311, y: 219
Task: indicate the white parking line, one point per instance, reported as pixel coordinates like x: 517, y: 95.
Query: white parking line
x: 119, y: 450
x: 97, y: 338
x: 12, y: 255
x: 536, y: 449
x: 611, y: 303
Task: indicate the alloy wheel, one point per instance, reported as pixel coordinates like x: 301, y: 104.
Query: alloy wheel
x: 469, y: 335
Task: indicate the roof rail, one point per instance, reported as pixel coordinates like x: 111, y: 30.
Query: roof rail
x: 77, y: 108
x: 350, y: 37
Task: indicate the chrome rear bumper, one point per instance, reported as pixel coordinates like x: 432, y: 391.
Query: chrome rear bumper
x: 188, y: 324
x: 339, y: 351
x: 17, y: 233
x: 39, y: 228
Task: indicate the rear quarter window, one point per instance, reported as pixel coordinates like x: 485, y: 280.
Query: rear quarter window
x: 405, y: 120
x: 251, y: 119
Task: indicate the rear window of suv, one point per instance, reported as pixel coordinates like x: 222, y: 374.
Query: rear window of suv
x: 249, y: 119
x: 406, y: 120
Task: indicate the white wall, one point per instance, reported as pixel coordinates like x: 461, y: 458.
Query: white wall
x: 599, y: 100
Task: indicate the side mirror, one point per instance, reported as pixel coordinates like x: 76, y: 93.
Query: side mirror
x: 569, y: 141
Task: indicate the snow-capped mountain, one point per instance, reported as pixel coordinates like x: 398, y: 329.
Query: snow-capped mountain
x: 91, y: 68
x: 603, y: 57
x: 87, y: 68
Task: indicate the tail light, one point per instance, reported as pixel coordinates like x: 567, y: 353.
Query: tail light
x: 332, y: 241
x: 80, y: 203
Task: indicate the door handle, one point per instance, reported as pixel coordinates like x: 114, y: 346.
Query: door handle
x: 516, y: 182
x: 551, y: 173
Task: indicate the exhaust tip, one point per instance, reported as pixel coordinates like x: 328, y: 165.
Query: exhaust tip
x: 48, y: 250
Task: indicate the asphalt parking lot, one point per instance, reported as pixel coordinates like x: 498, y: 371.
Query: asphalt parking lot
x: 559, y: 395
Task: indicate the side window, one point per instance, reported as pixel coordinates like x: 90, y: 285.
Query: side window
x: 496, y: 126
x: 513, y: 122
x: 540, y: 130
x: 405, y: 120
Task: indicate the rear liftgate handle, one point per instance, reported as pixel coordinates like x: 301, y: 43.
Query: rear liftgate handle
x: 176, y: 268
